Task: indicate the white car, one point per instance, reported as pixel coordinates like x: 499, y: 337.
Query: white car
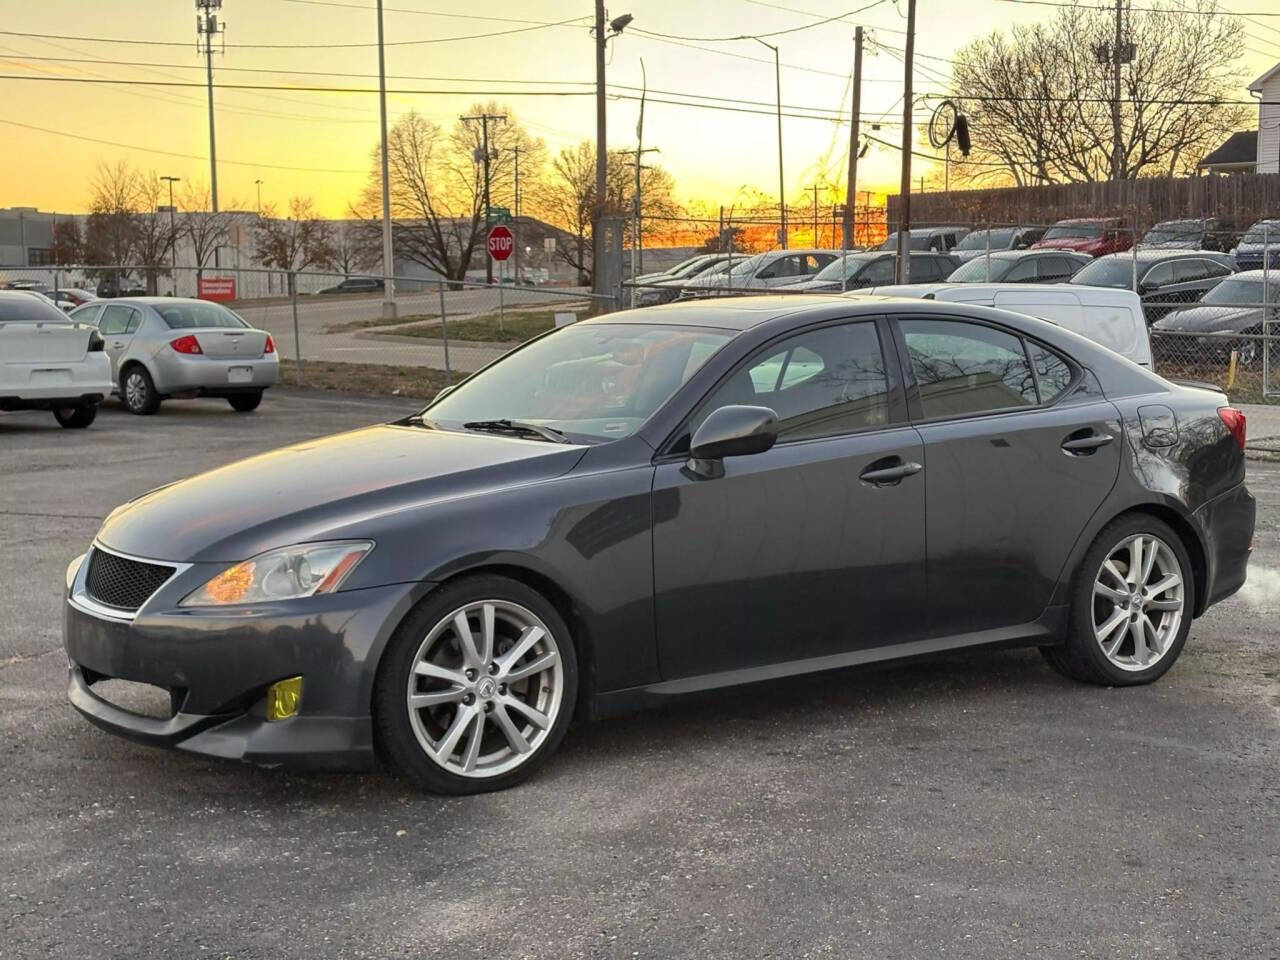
x: 1108, y: 316
x: 48, y: 362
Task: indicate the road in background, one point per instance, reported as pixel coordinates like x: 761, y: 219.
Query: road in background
x: 970, y: 806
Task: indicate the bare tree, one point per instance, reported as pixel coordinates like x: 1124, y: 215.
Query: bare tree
x: 1039, y: 98
x: 154, y: 232
x: 111, y: 232
x: 205, y: 229
x: 66, y: 246
x: 437, y: 186
x: 295, y: 242
x: 356, y: 248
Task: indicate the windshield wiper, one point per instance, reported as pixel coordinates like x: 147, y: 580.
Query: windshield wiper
x: 518, y: 426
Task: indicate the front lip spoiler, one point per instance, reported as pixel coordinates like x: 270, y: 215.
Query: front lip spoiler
x: 148, y: 730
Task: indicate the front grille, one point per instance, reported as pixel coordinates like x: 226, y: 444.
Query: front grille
x: 121, y: 582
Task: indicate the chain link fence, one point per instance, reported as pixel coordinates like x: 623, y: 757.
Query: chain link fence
x: 337, y: 332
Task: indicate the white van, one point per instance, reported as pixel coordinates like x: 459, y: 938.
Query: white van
x: 1107, y: 316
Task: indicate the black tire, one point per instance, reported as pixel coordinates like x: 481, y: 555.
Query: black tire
x: 394, y: 732
x: 138, y: 391
x: 77, y: 417
x: 245, y: 402
x: 1080, y: 656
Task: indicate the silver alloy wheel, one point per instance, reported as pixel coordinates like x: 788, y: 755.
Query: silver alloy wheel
x: 135, y: 390
x: 1138, y: 602
x: 485, y: 689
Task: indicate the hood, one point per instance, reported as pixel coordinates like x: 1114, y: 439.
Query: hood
x: 1210, y: 319
x: 338, y: 486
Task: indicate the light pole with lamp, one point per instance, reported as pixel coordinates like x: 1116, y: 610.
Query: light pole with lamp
x: 173, y: 231
x: 782, y: 190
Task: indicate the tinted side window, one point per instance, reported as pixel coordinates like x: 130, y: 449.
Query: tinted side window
x: 1217, y: 269
x: 1052, y: 371
x: 820, y: 383
x: 1024, y: 271
x: 115, y: 319
x: 1184, y: 271
x: 878, y: 272
x: 963, y: 368
x: 1159, y: 275
x: 135, y: 321
x: 1056, y: 268
x: 87, y: 314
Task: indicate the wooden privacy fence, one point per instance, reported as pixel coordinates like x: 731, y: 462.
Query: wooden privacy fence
x: 1237, y: 200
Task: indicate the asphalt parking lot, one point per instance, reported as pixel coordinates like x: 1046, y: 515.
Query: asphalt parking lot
x: 974, y: 806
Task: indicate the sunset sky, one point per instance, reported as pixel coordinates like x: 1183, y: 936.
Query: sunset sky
x: 318, y: 143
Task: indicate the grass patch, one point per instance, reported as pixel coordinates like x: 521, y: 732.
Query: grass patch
x: 370, y: 379
x: 517, y: 326
x: 346, y: 326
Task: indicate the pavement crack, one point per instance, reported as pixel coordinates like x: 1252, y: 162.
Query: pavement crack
x: 51, y: 516
x: 25, y: 657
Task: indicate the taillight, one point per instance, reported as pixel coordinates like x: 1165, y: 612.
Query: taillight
x: 187, y: 344
x: 270, y: 346
x: 1234, y: 421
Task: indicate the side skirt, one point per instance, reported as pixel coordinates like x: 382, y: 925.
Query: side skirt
x: 1045, y: 631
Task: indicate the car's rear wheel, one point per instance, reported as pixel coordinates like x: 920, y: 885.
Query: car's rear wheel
x: 1132, y: 605
x: 477, y: 687
x: 76, y: 417
x: 139, y: 391
x: 245, y: 402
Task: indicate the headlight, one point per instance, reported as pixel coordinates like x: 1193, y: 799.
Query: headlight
x: 303, y: 570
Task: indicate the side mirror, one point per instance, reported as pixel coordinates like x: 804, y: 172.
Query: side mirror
x: 733, y: 431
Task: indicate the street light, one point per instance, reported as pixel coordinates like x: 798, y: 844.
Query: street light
x: 782, y: 189
x: 173, y: 230
x: 258, y: 184
x: 388, y: 257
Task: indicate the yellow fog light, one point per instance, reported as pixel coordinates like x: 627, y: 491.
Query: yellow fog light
x: 283, y: 698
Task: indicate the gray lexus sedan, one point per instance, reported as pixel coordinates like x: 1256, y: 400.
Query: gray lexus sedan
x: 162, y: 347
x: 657, y: 502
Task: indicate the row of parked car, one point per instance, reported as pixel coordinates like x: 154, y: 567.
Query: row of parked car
x: 146, y: 349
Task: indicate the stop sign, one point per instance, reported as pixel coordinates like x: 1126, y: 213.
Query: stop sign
x: 501, y: 243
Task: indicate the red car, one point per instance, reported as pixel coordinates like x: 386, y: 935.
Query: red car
x: 1092, y: 235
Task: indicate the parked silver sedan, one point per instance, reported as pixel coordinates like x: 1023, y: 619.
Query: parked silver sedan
x: 167, y: 347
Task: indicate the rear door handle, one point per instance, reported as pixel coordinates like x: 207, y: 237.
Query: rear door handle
x: 1082, y: 446
x: 888, y: 471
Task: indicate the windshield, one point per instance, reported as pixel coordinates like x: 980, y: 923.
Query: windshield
x: 686, y: 267
x: 1000, y: 240
x: 1074, y: 231
x: 975, y: 270
x: 1173, y: 232
x: 842, y: 268
x: 1238, y: 291
x: 1106, y: 273
x: 591, y: 381
x: 1268, y: 230
x: 188, y: 316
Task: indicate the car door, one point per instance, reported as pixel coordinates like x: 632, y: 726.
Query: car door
x: 1021, y: 449
x: 813, y: 548
x: 117, y: 324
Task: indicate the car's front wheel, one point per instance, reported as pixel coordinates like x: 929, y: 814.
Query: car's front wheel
x: 477, y: 686
x: 1131, y: 607
x: 77, y: 417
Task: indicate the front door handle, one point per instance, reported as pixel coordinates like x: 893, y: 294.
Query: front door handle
x: 889, y: 471
x: 1078, y: 446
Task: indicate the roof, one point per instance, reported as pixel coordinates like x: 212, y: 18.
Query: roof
x: 1100, y: 220
x: 1030, y: 252
x: 727, y: 313
x: 1239, y: 148
x: 1157, y: 254
x: 1257, y: 84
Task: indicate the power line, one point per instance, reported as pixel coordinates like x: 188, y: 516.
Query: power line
x: 1200, y: 13
x: 422, y: 13
x: 756, y: 36
x: 172, y: 153
x: 296, y: 46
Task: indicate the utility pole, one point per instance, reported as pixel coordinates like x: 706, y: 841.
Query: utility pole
x: 782, y: 188
x: 207, y: 27
x: 637, y: 251
x: 484, y: 157
x: 388, y: 251
x: 1116, y: 146
x: 515, y: 212
x: 815, y: 188
x: 173, y: 229
x: 851, y: 189
x: 602, y: 160
x: 904, y: 190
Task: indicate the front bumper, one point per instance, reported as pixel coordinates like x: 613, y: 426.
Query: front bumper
x: 217, y: 667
